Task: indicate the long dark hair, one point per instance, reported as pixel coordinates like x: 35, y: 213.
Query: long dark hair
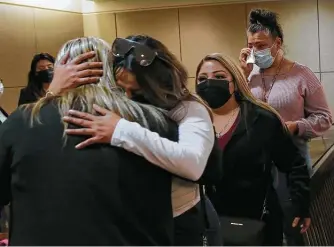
x: 164, y: 81
x: 34, y: 86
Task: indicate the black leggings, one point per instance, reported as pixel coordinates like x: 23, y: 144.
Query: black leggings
x: 189, y: 227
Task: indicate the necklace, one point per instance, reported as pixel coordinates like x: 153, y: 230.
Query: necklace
x: 266, y: 94
x: 222, y: 132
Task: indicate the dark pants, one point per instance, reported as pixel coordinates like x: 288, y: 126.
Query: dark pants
x: 189, y: 227
x: 273, y: 230
x: 292, y: 235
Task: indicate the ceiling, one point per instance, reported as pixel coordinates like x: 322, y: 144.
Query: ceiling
x: 98, y: 6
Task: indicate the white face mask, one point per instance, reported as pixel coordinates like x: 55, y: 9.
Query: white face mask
x: 1, y: 88
x: 263, y: 58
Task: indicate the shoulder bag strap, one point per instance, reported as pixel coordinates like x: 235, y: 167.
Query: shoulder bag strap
x: 267, y: 172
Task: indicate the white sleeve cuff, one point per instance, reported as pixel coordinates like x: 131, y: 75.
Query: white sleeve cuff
x: 121, y: 126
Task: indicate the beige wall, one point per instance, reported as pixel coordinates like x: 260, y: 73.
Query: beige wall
x: 189, y: 32
x: 25, y: 31
x: 195, y: 31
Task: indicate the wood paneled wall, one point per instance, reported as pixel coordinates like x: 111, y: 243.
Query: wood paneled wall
x: 190, y: 33
x: 25, y: 31
x: 193, y: 32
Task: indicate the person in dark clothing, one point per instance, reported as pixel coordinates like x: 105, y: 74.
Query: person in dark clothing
x: 39, y: 78
x: 101, y: 195
x: 253, y: 138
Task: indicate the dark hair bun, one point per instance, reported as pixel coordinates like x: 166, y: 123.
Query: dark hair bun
x: 264, y: 17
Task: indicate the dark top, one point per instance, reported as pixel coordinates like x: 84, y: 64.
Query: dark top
x: 258, y: 141
x: 224, y: 139
x: 100, y: 195
x: 26, y: 97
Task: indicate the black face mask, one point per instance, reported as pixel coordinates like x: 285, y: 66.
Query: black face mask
x: 214, y: 91
x: 44, y: 76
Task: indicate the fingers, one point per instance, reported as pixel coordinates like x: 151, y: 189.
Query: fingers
x: 100, y: 110
x: 90, y: 65
x: 246, y: 51
x: 83, y: 57
x: 80, y: 132
x: 90, y: 73
x: 78, y: 122
x: 306, y: 225
x: 87, y: 80
x: 244, y: 54
x: 82, y: 115
x: 87, y: 142
x: 295, y: 222
x: 65, y: 58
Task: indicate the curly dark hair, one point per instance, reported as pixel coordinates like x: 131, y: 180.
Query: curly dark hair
x: 265, y: 20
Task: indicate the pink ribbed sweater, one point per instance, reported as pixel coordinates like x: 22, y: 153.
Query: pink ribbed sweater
x: 298, y: 96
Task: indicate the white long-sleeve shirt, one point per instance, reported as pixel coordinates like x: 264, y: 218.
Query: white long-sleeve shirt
x: 186, y: 158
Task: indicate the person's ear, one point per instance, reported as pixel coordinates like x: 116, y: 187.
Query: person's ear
x: 279, y: 43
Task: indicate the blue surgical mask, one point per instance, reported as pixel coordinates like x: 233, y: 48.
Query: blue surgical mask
x: 263, y: 58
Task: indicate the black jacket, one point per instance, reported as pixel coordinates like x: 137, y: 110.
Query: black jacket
x: 100, y: 195
x: 259, y: 140
x: 26, y: 97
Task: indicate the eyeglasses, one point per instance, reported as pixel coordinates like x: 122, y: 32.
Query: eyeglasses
x: 142, y: 54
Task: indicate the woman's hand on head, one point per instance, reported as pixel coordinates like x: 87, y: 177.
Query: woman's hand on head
x: 72, y: 74
x: 100, y: 128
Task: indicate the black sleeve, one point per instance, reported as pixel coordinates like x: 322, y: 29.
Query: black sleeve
x: 288, y: 159
x: 213, y: 171
x: 26, y: 97
x: 22, y: 98
x: 5, y: 163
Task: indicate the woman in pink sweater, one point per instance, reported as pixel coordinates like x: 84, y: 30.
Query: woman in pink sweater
x: 289, y: 87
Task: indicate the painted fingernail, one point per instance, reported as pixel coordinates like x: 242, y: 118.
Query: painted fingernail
x: 71, y: 111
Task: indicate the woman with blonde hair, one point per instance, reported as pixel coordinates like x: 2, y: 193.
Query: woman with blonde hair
x: 149, y: 73
x: 253, y: 138
x: 101, y: 195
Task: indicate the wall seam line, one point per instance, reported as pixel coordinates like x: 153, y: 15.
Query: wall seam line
x: 116, y: 25
x: 319, y: 46
x: 179, y: 27
x: 35, y: 31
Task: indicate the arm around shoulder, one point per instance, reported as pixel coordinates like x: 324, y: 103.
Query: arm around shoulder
x: 186, y: 158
